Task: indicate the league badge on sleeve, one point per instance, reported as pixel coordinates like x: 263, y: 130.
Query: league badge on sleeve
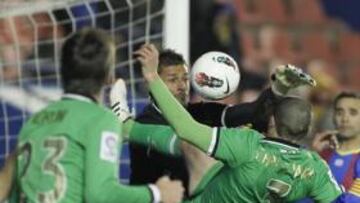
x: 109, y: 146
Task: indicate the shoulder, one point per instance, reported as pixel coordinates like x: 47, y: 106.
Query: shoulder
x: 318, y: 162
x: 244, y: 135
x: 92, y: 108
x: 356, y: 156
x: 242, y: 130
x: 326, y: 154
x: 79, y: 107
x: 89, y: 111
x: 237, y: 145
x: 105, y: 113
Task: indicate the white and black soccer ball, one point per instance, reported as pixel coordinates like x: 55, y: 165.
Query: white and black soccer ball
x: 215, y: 75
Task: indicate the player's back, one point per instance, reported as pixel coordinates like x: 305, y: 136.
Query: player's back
x: 283, y: 172
x: 275, y: 172
x: 51, y: 166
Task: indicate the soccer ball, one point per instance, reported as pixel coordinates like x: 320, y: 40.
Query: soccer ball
x: 215, y: 75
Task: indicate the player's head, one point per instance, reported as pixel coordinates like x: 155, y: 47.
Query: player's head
x: 175, y: 73
x: 87, y: 59
x: 292, y: 118
x: 347, y: 114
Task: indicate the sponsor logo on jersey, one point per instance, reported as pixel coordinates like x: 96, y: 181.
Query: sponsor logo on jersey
x: 339, y: 162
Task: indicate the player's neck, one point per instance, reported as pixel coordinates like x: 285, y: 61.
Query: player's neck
x: 350, y: 144
x: 287, y: 140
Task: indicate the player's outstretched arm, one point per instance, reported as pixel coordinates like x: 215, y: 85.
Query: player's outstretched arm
x: 101, y: 181
x: 284, y: 78
x: 257, y: 112
x: 185, y: 126
x: 6, y: 177
x: 161, y: 138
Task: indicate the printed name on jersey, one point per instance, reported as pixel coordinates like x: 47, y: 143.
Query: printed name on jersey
x: 109, y: 146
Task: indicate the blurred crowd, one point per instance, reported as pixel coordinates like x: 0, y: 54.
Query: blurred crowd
x: 262, y: 36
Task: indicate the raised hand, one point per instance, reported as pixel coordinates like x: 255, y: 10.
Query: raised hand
x: 325, y: 140
x: 148, y: 56
x: 171, y: 191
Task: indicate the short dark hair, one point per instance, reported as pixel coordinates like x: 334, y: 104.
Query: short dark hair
x: 345, y: 94
x: 169, y: 57
x: 292, y: 118
x: 86, y: 61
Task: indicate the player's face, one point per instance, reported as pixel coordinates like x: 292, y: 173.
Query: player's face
x: 347, y: 117
x: 176, y: 79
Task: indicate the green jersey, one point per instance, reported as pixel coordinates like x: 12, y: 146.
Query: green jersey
x: 69, y: 153
x: 159, y: 137
x: 257, y: 169
x: 252, y: 168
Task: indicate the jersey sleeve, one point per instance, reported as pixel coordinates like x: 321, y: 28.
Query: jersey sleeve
x: 234, y: 146
x: 160, y: 137
x: 256, y: 113
x: 355, y: 186
x: 325, y: 188
x: 184, y: 125
x: 101, y: 163
x: 209, y: 113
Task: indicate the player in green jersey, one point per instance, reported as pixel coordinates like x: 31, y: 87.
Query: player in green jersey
x: 252, y: 169
x: 198, y: 163
x: 303, y: 166
x: 69, y: 151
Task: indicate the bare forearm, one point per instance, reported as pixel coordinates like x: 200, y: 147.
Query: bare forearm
x: 6, y: 177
